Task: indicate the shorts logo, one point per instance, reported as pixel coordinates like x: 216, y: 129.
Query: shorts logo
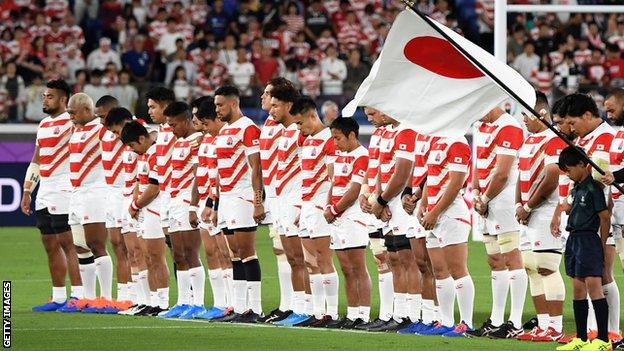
x: 233, y: 221
x: 497, y: 227
x: 86, y: 218
x: 538, y: 243
x: 53, y: 208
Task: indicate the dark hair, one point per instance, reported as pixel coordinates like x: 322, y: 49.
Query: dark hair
x: 160, y: 95
x: 575, y: 105
x: 302, y: 105
x: 197, y: 102
x: 207, y: 110
x: 285, y: 93
x: 132, y: 131
x: 346, y: 125
x: 107, y: 100
x: 617, y: 93
x: 61, y: 85
x: 556, y: 107
x: 228, y: 91
x: 571, y: 156
x: 541, y: 99
x: 117, y: 116
x: 277, y: 81
x: 178, y: 109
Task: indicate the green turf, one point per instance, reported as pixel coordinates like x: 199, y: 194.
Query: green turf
x: 22, y: 260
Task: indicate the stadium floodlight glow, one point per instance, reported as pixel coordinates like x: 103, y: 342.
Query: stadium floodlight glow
x: 501, y: 9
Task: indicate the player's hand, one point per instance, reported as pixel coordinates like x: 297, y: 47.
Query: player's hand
x: 133, y: 213
x: 429, y: 220
x: 26, y: 203
x: 214, y: 218
x: 193, y: 220
x: 608, y: 178
x: 522, y: 215
x: 364, y: 204
x: 420, y: 213
x: 386, y: 214
x: 377, y: 209
x: 555, y: 226
x: 259, y: 214
x: 481, y: 208
x: 206, y: 214
x: 409, y: 203
x: 329, y: 217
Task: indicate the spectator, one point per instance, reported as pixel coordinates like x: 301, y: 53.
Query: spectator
x: 111, y: 77
x: 102, y: 55
x: 329, y: 110
x: 55, y: 35
x: 293, y: 71
x: 180, y: 59
x: 210, y: 79
x: 74, y: 62
x: 583, y: 55
x: 316, y: 20
x: 356, y: 73
x: 180, y: 85
x: 299, y: 47
x: 527, y: 62
x: 126, y: 94
x: 441, y: 12
x: 294, y: 21
x: 242, y: 73
x: 130, y: 30
x: 80, y: 81
x: 13, y: 84
x: 179, y: 46
x: 556, y: 57
x: 544, y: 43
x: 94, y: 88
x: 485, y: 11
x: 72, y: 32
x: 218, y: 20
x: 567, y: 74
x: 350, y: 33
x: 138, y: 61
x: 40, y: 28
x: 139, y: 12
x: 542, y: 78
x: 158, y: 26
x: 593, y: 37
x: 167, y: 42
x: 614, y: 65
x: 333, y: 72
x: 228, y: 54
x: 34, y: 100
x: 326, y: 39
x: 266, y: 67
x: 595, y: 72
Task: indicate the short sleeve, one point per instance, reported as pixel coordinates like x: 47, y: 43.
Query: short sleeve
x: 458, y: 157
x: 509, y: 140
x: 251, y: 140
x: 553, y: 150
x: 331, y: 151
x: 600, y: 153
x: 153, y: 168
x: 598, y: 197
x: 194, y: 158
x: 404, y: 144
x: 360, y: 166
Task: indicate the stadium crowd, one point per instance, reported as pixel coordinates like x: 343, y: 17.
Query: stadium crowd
x: 326, y: 48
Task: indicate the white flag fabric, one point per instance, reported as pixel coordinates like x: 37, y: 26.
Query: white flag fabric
x: 423, y: 81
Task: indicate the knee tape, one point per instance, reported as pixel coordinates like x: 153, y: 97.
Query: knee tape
x: 282, y: 258
x: 619, y: 248
x: 491, y: 245
x: 508, y: 241
x: 277, y: 243
x: 530, y: 263
x: 272, y: 231
x: 536, y: 282
x: 78, y: 236
x: 554, y: 288
x: 548, y: 260
x: 377, y: 246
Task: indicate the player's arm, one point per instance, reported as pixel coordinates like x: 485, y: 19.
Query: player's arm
x: 500, y: 176
x: 605, y: 225
x: 456, y: 182
x: 30, y: 181
x: 397, y: 183
x: 546, y: 187
x: 256, y: 184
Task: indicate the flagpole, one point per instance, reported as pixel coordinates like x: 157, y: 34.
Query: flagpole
x: 411, y: 6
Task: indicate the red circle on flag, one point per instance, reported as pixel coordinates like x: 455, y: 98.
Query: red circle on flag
x: 440, y: 57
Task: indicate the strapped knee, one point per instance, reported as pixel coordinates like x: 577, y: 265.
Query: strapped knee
x: 536, y: 282
x: 377, y: 246
x: 554, y: 288
x: 508, y: 241
x: 78, y: 235
x: 491, y: 245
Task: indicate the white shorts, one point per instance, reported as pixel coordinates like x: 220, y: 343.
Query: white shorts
x: 348, y: 233
x: 271, y: 210
x: 53, y: 197
x: 400, y: 223
x: 129, y: 224
x: 86, y: 205
x: 114, y: 208
x: 525, y: 241
x: 312, y: 222
x: 236, y: 211
x: 212, y: 230
x: 501, y: 217
x: 150, y: 224
x: 285, y: 218
x: 538, y: 232
x: 165, y: 198
x: 419, y: 231
x: 448, y: 231
x: 179, y: 214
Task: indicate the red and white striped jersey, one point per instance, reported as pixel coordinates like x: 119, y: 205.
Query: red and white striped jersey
x: 616, y: 153
x: 373, y: 158
x: 235, y: 143
x: 597, y: 145
x: 447, y: 155
x: 156, y: 29
x: 288, y: 179
x: 112, y: 149
x: 301, y: 50
x: 543, y: 80
x: 310, y: 79
x: 129, y: 161
x: 85, y: 158
x: 350, y: 167
x: 323, y: 42
x: 147, y: 169
x: 269, y: 137
x: 183, y: 158
x: 206, y: 175
x: 350, y: 35
x: 421, y: 150
x: 396, y: 142
x: 164, y: 148
x: 53, y: 136
x: 539, y: 150
x: 502, y: 137
x: 317, y: 152
x: 74, y: 32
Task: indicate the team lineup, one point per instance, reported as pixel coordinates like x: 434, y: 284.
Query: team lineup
x: 208, y: 176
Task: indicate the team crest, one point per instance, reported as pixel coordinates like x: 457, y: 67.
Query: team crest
x: 181, y: 153
x: 145, y: 169
x: 345, y: 169
x: 313, y: 153
x: 57, y: 130
x: 423, y: 149
x: 83, y: 137
x: 230, y: 141
x: 285, y: 144
x: 438, y: 158
x: 487, y: 141
x: 620, y: 146
x: 270, y: 132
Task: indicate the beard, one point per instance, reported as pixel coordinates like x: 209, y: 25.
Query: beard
x: 619, y: 121
x: 49, y: 110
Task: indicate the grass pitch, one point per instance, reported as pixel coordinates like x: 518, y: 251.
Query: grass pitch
x: 23, y: 261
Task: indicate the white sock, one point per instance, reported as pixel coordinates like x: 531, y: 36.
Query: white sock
x: 197, y: 276
x: 518, y: 281
x: 415, y: 306
x: 330, y: 287
x: 436, y: 312
x: 154, y: 300
x: 104, y: 272
x: 556, y: 322
x: 254, y: 292
x: 217, y: 284
x: 143, y: 288
x: 612, y: 294
x: 428, y: 311
x: 386, y: 296
x: 309, y: 304
x: 318, y: 294
x: 284, y: 273
x: 122, y: 291
x: 543, y: 321
x: 445, y: 289
x: 298, y: 302
x: 364, y: 313
x: 132, y: 295
x: 77, y: 291
x: 353, y: 312
x: 184, y: 287
x: 228, y: 279
x: 87, y: 274
x: 400, y: 306
x: 240, y: 296
x: 59, y: 294
x: 500, y: 286
x: 163, y: 298
x: 465, y: 292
